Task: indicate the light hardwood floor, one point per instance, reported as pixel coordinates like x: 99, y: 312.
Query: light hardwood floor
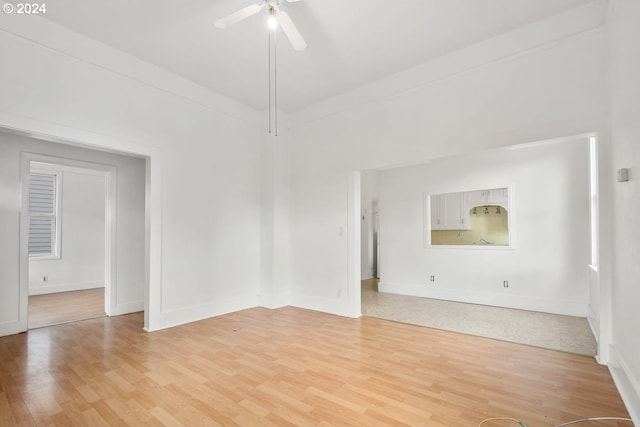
x: 60, y: 307
x: 290, y: 367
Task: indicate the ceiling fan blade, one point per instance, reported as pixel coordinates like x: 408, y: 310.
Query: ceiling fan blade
x: 291, y: 31
x: 238, y: 16
x: 293, y: 1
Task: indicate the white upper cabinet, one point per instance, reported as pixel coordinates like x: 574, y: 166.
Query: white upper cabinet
x: 437, y: 211
x: 495, y: 197
x: 449, y: 212
x: 492, y: 225
x: 477, y: 198
x: 498, y: 196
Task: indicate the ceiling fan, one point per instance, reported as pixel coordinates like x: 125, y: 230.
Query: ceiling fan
x: 276, y: 16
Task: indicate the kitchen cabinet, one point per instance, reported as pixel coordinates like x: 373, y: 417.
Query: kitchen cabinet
x: 498, y: 197
x: 476, y: 198
x: 494, y: 197
x: 449, y: 212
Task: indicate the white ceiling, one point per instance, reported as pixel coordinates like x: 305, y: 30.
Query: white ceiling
x: 350, y: 42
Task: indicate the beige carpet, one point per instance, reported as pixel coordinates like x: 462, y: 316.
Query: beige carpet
x: 552, y: 331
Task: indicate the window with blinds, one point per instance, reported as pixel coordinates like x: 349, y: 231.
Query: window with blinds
x: 42, y: 214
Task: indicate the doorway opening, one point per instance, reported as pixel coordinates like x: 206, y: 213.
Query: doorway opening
x: 369, y: 239
x: 138, y: 284
x: 465, y: 287
x: 68, y: 240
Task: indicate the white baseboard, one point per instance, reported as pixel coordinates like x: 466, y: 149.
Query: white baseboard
x: 127, y: 308
x: 521, y: 302
x: 274, y: 300
x: 325, y: 305
x: 64, y: 287
x: 171, y: 318
x: 628, y: 386
x: 594, y: 323
x: 9, y: 328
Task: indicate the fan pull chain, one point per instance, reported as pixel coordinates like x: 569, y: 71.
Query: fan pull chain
x: 273, y: 82
x: 269, y: 76
x: 275, y: 78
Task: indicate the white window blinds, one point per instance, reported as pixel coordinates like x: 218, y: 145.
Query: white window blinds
x: 42, y: 214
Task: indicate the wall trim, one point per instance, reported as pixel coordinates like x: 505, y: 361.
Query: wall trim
x: 63, y: 41
x: 65, y: 287
x: 593, y: 320
x: 10, y: 328
x: 354, y: 246
x: 322, y: 304
x: 194, y: 313
x: 519, y: 302
x: 274, y: 301
x: 628, y: 386
x: 127, y: 308
x: 574, y: 24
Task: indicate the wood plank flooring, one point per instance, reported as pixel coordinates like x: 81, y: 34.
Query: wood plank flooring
x: 60, y: 307
x: 290, y: 367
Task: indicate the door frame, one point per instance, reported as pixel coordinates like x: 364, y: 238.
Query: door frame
x: 27, y: 161
x: 56, y: 133
x: 354, y: 246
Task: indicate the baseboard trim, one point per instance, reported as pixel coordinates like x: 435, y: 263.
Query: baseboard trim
x: 127, y: 308
x: 274, y: 301
x: 593, y: 321
x: 9, y: 328
x: 324, y: 305
x: 194, y: 313
x: 65, y: 287
x: 628, y: 386
x: 520, y: 302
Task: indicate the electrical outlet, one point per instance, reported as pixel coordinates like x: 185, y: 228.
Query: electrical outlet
x: 339, y: 293
x: 432, y: 278
x: 45, y: 278
x: 505, y: 284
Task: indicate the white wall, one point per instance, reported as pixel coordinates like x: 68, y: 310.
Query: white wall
x: 542, y: 81
x: 82, y: 237
x: 207, y: 147
x: 513, y: 89
x: 369, y: 224
x: 130, y: 210
x: 624, y: 68
x: 546, y: 269
x: 275, y: 285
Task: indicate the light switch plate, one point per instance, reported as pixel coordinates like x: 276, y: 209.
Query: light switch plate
x: 623, y: 175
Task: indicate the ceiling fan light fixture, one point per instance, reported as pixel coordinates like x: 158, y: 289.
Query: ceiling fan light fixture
x: 277, y: 18
x: 272, y: 22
